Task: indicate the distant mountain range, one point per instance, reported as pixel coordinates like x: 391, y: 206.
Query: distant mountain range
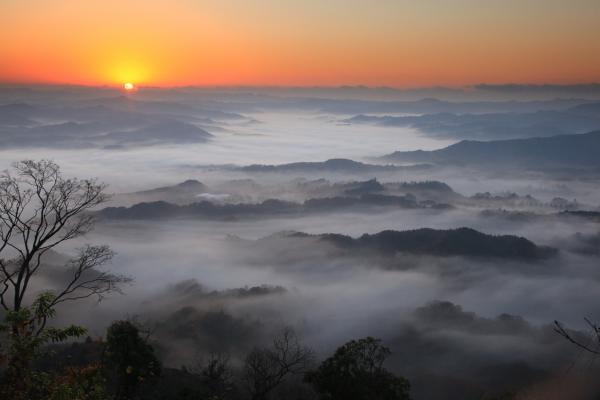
x: 232, y: 199
x: 111, y: 129
x: 577, y: 151
x: 331, y: 165
x: 499, y: 125
x: 297, y: 190
x: 267, y: 208
x: 160, y: 107
x: 167, y: 131
x: 422, y: 105
x: 436, y: 242
x: 108, y: 122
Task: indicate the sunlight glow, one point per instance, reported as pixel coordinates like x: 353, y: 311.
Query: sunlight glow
x: 396, y: 43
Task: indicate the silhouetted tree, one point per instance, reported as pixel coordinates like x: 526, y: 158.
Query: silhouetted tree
x: 267, y: 368
x: 40, y: 210
x: 129, y: 359
x: 217, y: 376
x: 356, y: 372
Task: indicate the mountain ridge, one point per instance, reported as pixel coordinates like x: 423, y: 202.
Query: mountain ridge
x: 577, y: 150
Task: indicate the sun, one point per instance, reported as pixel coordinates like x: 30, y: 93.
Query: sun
x: 128, y: 86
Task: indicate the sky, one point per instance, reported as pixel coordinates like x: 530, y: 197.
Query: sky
x: 394, y: 43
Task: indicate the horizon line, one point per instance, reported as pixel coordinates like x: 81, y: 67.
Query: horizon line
x: 479, y: 86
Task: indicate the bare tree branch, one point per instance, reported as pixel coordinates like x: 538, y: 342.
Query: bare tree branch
x: 39, y: 210
x: 561, y: 330
x: 267, y: 368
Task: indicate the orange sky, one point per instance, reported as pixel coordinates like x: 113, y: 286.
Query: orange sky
x: 305, y: 42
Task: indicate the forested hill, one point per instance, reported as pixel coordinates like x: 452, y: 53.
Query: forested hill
x: 556, y: 151
x: 452, y: 242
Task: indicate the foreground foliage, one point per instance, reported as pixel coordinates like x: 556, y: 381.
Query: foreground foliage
x: 356, y: 372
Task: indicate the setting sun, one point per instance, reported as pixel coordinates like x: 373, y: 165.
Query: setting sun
x: 128, y: 86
